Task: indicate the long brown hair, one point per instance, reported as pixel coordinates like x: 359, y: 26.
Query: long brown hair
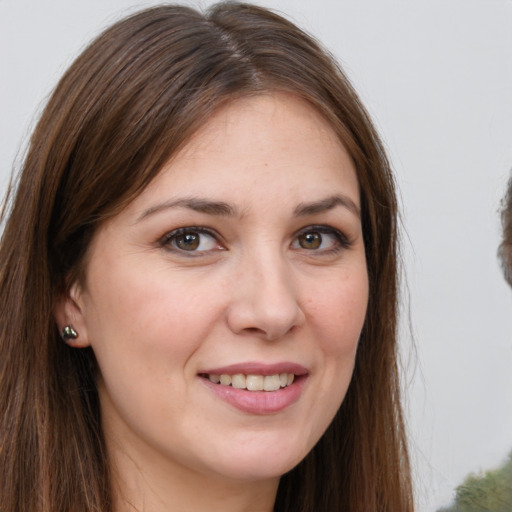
x: 128, y: 103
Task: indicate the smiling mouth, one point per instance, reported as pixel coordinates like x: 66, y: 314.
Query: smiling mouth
x: 252, y: 382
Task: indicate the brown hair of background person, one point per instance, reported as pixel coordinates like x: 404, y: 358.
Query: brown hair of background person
x: 505, y: 249
x: 127, y: 104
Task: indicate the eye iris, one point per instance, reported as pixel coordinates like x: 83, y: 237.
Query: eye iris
x: 188, y: 241
x: 310, y: 240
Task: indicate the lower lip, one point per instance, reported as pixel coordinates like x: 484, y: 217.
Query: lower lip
x: 259, y: 402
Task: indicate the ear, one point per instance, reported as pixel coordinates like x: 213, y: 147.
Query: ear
x: 69, y: 311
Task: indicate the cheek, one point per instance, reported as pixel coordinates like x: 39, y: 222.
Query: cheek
x: 338, y: 312
x: 142, y: 317
x: 144, y: 337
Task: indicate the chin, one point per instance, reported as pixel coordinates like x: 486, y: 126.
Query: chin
x: 257, y: 470
x: 262, y: 462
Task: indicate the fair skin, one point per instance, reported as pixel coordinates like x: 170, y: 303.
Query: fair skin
x: 244, y: 256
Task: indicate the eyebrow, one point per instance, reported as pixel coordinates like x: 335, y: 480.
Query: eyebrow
x: 326, y: 204
x: 193, y: 203
x: 220, y: 208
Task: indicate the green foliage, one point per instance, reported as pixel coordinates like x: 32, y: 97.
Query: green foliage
x: 487, y: 492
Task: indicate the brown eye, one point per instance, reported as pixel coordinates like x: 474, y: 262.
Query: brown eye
x: 320, y: 240
x: 187, y: 241
x: 311, y: 240
x: 192, y: 240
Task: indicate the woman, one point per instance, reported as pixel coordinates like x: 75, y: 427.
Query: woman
x: 199, y: 281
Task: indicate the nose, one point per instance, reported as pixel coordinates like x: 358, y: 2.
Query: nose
x: 265, y: 300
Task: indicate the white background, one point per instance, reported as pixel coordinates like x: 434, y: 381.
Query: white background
x: 437, y: 77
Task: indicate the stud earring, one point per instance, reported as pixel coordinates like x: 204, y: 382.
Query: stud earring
x: 68, y: 333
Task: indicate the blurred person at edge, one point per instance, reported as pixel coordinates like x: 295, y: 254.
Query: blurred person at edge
x: 505, y: 249
x: 199, y: 281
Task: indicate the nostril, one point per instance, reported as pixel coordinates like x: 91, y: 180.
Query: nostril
x: 253, y: 330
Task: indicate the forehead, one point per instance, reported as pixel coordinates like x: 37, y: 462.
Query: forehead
x: 269, y: 123
x: 277, y: 140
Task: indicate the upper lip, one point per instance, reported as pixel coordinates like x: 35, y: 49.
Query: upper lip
x: 256, y: 368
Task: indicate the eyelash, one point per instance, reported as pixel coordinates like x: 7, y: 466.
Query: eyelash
x: 169, y: 238
x: 343, y: 242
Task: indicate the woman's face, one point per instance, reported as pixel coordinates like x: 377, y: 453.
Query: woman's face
x: 242, y: 261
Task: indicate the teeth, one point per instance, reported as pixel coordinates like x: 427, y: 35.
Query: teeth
x: 238, y: 381
x: 254, y: 382
x: 272, y: 383
x: 225, y: 380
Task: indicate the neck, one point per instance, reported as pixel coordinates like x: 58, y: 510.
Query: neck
x: 159, y: 486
